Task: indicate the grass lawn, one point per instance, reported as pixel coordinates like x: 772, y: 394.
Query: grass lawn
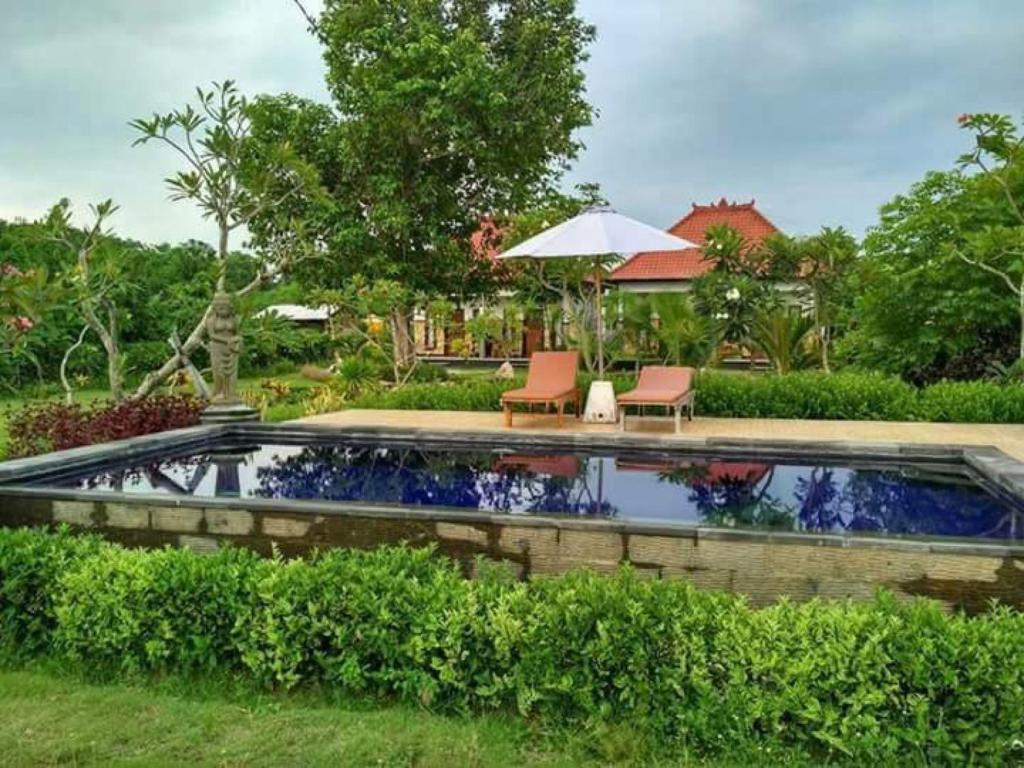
x: 54, y: 718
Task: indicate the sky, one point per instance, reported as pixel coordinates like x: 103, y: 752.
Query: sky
x: 820, y: 110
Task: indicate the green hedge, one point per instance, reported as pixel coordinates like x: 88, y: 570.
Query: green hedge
x: 696, y: 672
x: 803, y: 395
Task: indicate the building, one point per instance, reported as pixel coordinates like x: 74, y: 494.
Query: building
x: 660, y: 271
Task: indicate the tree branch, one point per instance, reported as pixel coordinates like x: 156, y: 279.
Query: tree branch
x: 990, y: 269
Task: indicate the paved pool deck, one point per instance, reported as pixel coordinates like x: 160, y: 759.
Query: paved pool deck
x: 1007, y: 437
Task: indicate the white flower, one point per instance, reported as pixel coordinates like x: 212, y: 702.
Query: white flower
x: 722, y: 316
x: 733, y: 294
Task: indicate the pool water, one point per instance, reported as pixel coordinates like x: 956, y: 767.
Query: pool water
x: 935, y: 500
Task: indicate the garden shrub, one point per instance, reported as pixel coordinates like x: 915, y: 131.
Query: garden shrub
x: 31, y: 563
x: 361, y: 620
x: 136, y: 610
x: 54, y: 425
x: 977, y: 402
x: 806, y: 395
x: 699, y: 672
x: 801, y: 395
x: 471, y: 394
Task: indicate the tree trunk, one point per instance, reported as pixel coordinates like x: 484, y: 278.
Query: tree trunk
x: 69, y: 394
x: 155, y: 378
x: 1020, y: 305
x: 222, y: 255
x: 402, y: 346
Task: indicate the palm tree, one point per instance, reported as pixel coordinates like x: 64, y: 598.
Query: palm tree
x: 786, y: 337
x: 684, y: 335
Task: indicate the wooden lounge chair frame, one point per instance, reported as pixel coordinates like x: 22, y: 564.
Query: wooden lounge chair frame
x: 540, y: 389
x: 661, y: 378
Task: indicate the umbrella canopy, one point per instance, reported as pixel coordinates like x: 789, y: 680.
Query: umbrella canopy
x: 598, y: 231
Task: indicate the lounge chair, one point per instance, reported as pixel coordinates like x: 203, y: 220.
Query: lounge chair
x: 664, y: 385
x: 551, y: 380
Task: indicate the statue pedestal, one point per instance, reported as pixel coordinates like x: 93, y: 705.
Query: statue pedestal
x: 601, y: 406
x: 228, y: 413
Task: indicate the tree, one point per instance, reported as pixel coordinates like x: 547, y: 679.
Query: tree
x: 444, y: 113
x: 998, y: 156
x: 820, y: 265
x: 95, y: 284
x: 24, y: 296
x: 920, y: 310
x: 738, y: 287
x: 233, y: 179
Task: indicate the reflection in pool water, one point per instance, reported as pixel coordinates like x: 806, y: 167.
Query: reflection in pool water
x: 681, y: 489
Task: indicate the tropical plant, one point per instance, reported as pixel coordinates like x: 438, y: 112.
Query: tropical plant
x: 820, y: 265
x: 685, y: 336
x: 233, y: 179
x: 737, y: 288
x: 786, y: 338
x: 24, y: 296
x: 96, y: 282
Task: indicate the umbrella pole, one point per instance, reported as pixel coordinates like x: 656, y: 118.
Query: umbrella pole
x: 600, y: 318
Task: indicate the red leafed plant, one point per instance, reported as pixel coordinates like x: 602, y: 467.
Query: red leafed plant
x: 54, y: 426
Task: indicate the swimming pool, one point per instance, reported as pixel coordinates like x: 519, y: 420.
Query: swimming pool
x: 763, y: 518
x: 758, y: 492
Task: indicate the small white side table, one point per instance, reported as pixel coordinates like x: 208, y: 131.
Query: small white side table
x: 601, y: 408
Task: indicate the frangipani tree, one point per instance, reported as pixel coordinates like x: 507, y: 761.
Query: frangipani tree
x: 25, y: 296
x: 96, y: 285
x: 998, y: 157
x: 233, y: 180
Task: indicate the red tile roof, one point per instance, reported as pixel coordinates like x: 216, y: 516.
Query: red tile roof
x: 690, y: 263
x: 486, y: 240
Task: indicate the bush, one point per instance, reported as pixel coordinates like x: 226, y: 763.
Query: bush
x: 976, y: 402
x: 471, y: 394
x: 54, y: 425
x: 806, y: 395
x: 364, y: 621
x: 166, y: 610
x: 698, y: 672
x: 31, y: 564
x: 800, y: 395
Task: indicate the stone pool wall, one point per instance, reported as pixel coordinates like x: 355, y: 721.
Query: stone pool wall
x: 761, y: 565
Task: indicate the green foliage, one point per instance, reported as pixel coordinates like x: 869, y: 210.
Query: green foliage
x: 357, y: 375
x: 733, y: 301
x: 938, y: 287
x: 700, y: 672
x: 363, y: 621
x: 807, y: 395
x: 797, y: 395
x: 684, y: 336
x: 784, y: 336
x: 135, y: 610
x: 442, y: 114
x: 31, y: 564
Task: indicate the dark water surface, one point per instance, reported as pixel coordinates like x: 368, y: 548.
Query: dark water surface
x: 935, y: 500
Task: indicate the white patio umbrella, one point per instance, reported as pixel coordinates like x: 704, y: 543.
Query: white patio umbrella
x: 598, y: 231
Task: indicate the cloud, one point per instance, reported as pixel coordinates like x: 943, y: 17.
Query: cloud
x: 822, y: 111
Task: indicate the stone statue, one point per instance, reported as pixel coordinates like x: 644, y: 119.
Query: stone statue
x: 225, y: 349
